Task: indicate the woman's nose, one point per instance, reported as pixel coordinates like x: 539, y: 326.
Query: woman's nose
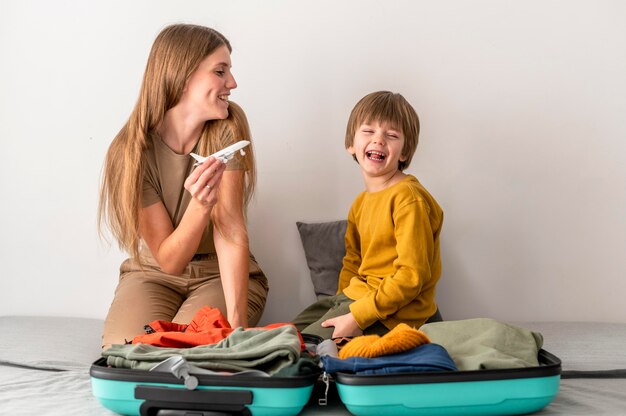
x: 232, y: 84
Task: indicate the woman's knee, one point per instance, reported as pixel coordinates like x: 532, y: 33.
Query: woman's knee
x: 257, y: 298
x: 137, y: 302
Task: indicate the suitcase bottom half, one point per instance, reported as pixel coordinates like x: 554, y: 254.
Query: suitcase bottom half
x: 482, y: 392
x: 145, y: 393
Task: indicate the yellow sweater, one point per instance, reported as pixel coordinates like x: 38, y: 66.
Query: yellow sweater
x: 392, y: 261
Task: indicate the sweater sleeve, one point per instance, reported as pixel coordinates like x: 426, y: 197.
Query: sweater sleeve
x: 352, y: 259
x: 411, y: 268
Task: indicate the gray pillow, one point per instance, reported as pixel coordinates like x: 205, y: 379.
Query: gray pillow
x: 324, y: 248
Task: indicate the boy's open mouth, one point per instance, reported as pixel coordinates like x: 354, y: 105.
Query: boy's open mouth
x: 376, y: 156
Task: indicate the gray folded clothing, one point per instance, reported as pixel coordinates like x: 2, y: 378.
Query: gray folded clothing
x: 483, y: 343
x: 268, y: 350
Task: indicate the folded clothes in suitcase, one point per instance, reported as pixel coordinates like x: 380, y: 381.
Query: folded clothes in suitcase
x: 176, y: 387
x: 476, y: 392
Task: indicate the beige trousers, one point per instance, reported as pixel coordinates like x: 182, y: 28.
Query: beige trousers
x: 148, y: 294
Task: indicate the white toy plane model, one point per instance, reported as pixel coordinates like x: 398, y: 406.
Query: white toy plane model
x: 225, y: 154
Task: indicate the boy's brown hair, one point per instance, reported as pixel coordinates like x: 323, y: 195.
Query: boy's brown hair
x: 387, y: 107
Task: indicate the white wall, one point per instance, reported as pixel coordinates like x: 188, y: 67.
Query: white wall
x: 522, y: 106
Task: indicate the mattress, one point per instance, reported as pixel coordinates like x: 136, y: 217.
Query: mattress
x: 45, y: 361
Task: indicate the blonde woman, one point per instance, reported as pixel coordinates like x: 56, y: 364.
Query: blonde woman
x: 175, y: 219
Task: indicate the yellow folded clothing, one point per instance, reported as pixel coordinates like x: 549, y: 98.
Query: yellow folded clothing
x: 401, y: 338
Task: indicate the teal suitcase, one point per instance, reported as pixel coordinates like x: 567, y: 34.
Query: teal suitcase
x: 152, y: 393
x: 464, y: 393
x: 168, y: 391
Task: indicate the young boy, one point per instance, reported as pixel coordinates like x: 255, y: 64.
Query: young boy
x: 392, y: 262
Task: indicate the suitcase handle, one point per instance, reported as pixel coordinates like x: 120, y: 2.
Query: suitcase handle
x: 165, y: 401
x: 194, y: 412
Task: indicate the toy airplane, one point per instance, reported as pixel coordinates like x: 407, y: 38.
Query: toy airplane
x: 225, y: 154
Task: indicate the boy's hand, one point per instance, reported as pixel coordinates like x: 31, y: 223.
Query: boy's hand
x: 345, y: 326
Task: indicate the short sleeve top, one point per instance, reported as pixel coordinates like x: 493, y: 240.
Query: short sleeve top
x: 164, y: 177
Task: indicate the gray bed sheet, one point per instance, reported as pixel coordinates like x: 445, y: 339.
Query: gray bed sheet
x: 29, y: 391
x: 589, y: 397
x: 44, y: 367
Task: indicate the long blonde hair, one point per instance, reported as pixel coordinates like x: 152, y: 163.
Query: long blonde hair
x: 176, y: 53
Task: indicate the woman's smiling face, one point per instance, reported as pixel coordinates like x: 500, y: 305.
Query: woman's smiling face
x: 208, y: 87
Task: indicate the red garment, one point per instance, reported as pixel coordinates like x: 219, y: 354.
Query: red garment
x: 208, y: 326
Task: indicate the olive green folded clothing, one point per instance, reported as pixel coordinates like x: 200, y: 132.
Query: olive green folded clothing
x: 305, y: 366
x: 483, y: 343
x: 268, y: 350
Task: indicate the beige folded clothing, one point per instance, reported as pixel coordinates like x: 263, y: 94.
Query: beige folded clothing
x: 483, y: 343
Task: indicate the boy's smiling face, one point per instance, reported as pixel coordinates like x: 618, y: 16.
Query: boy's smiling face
x: 378, y: 148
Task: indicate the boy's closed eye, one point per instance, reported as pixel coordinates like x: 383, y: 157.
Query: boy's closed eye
x: 391, y: 133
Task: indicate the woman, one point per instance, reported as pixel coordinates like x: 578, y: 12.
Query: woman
x: 176, y: 220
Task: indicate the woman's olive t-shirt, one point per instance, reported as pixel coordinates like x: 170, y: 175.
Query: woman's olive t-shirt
x: 164, y: 177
